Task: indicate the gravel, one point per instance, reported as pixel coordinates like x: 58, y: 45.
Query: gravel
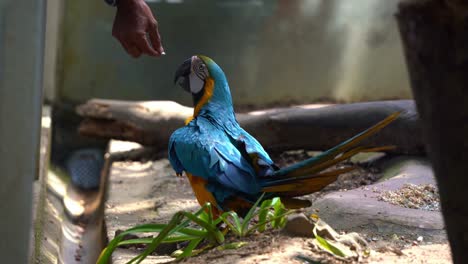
x: 425, y: 197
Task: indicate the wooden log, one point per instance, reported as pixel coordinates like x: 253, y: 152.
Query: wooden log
x: 299, y: 127
x: 435, y: 41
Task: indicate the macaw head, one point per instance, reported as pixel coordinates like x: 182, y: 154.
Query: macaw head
x: 205, y: 80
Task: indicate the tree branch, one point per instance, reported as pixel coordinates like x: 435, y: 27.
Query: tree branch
x: 299, y: 127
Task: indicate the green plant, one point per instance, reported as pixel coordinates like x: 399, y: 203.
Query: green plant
x: 271, y: 213
x: 175, y: 231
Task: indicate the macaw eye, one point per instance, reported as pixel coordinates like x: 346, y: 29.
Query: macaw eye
x: 201, y: 67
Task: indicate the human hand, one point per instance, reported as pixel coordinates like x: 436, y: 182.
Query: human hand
x: 137, y: 29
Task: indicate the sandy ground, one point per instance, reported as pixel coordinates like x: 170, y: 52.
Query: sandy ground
x: 280, y: 249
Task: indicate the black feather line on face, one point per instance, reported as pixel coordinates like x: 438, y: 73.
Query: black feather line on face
x: 198, y: 68
x: 196, y: 97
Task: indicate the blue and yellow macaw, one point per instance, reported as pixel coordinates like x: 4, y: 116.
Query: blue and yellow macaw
x: 228, y: 167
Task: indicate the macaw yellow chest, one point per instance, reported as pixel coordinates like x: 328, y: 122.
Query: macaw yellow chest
x: 202, y: 194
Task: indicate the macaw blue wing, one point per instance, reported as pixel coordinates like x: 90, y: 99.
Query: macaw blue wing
x: 173, y: 159
x: 204, y: 151
x: 259, y: 158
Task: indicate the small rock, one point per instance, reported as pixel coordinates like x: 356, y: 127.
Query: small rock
x: 298, y: 225
x: 166, y: 249
x: 375, y: 239
x: 420, y: 239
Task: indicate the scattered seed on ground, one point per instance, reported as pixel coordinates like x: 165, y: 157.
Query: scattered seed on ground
x: 425, y: 197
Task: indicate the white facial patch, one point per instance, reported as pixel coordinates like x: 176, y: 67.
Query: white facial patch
x: 198, y: 74
x: 196, y: 84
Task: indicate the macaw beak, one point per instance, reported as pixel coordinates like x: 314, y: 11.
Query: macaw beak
x: 182, y: 75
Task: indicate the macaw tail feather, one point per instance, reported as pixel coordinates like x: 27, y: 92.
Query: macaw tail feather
x: 304, y: 185
x: 300, y: 168
x: 311, y: 175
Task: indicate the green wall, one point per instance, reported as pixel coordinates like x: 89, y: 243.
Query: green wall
x: 272, y: 51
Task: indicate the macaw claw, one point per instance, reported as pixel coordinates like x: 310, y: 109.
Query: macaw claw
x: 179, y: 174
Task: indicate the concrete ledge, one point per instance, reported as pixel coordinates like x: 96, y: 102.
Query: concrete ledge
x: 360, y: 210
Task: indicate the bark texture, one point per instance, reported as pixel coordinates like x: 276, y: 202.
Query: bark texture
x: 302, y: 127
x: 435, y: 41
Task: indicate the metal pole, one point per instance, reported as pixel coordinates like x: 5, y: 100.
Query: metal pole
x: 21, y: 56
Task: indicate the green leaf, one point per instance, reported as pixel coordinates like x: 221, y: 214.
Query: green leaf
x: 263, y: 214
x: 250, y: 215
x: 169, y: 229
x: 233, y: 245
x: 269, y: 221
x: 190, y: 253
x: 207, y: 214
x: 105, y: 255
x: 235, y: 225
x: 186, y: 222
x: 323, y: 243
x: 279, y: 209
x: 210, y: 215
x: 204, y: 216
x: 191, y: 232
x: 213, y: 231
x: 177, y: 253
x: 148, y: 240
x: 188, y: 250
x: 275, y: 201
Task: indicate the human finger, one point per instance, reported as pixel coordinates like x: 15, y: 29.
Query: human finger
x: 155, y: 37
x: 134, y: 51
x: 144, y: 46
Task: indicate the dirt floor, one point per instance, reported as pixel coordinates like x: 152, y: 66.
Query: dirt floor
x: 150, y: 193
x: 277, y: 248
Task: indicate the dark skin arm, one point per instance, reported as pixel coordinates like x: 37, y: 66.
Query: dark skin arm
x: 137, y: 29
